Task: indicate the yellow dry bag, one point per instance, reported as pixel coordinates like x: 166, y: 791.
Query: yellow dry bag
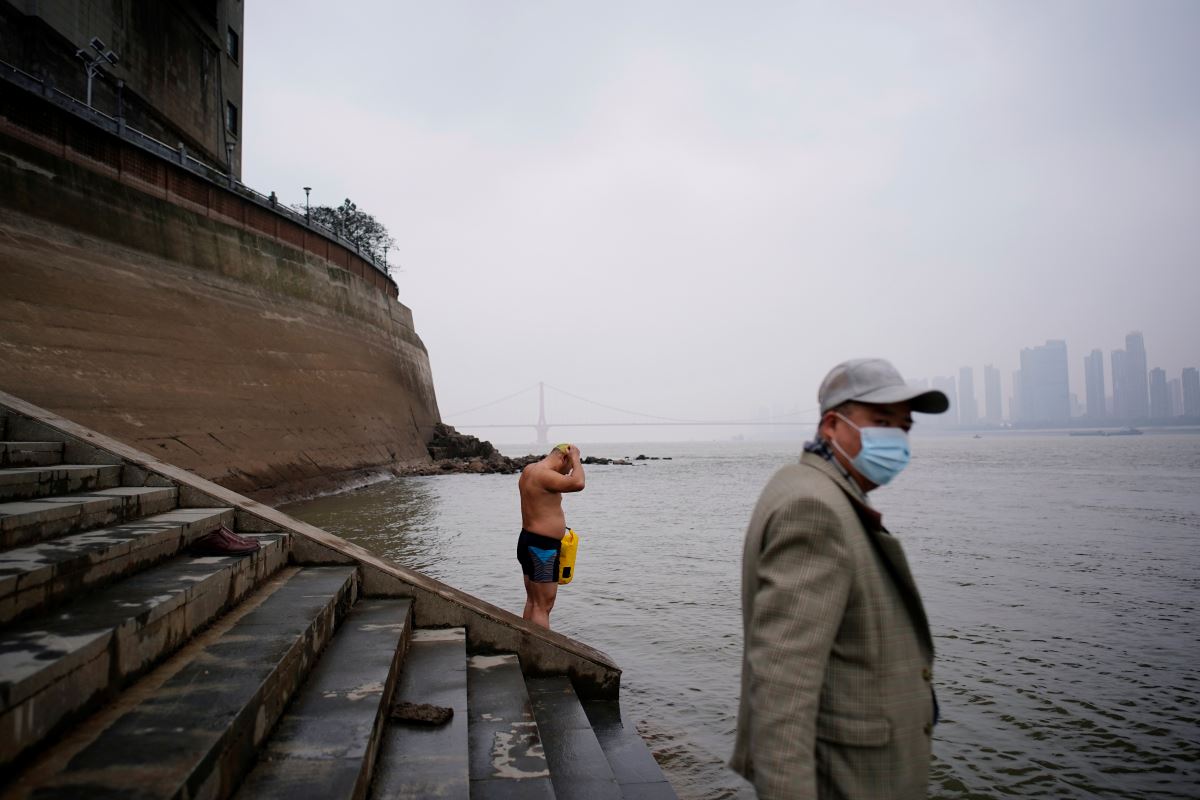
x: 566, y: 556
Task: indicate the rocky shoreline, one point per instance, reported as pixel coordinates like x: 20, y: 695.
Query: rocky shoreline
x: 452, y: 452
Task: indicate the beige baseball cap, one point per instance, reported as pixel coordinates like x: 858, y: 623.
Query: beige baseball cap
x: 874, y: 380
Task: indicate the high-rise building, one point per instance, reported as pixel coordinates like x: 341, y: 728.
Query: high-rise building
x: 1175, y: 391
x: 946, y: 384
x: 1093, y: 379
x: 1014, y: 399
x: 968, y: 409
x: 991, y: 394
x: 1160, y: 401
x: 1191, y: 392
x: 1136, y: 378
x: 1045, y: 391
x: 1120, y: 406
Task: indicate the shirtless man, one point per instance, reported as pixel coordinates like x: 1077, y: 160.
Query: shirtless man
x: 543, y: 526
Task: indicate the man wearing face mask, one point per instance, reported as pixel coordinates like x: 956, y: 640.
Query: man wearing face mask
x: 837, y: 698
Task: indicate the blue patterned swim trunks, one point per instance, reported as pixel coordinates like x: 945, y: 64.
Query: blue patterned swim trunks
x: 538, y: 556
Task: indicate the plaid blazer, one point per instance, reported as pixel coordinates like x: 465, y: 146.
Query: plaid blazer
x: 837, y: 700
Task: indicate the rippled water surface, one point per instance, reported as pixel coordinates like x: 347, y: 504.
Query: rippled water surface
x: 1060, y: 575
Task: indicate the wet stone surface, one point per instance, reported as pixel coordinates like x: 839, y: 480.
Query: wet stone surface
x: 505, y: 747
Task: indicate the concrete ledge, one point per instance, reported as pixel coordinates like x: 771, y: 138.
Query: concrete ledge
x: 220, y: 707
x: 45, y: 518
x: 490, y: 628
x: 578, y: 766
x: 26, y: 483
x: 59, y: 665
x: 506, y: 754
x: 635, y: 770
x: 325, y: 746
x: 25, y: 521
x: 418, y: 761
x: 30, y: 454
x: 40, y: 575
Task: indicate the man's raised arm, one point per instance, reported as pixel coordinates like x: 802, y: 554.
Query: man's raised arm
x: 571, y: 482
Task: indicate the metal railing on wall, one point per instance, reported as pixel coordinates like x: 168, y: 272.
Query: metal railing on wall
x: 179, y: 157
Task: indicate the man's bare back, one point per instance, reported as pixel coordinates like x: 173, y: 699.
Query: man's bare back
x: 543, y: 524
x: 542, y: 485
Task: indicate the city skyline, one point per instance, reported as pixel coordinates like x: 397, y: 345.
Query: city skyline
x: 1046, y: 389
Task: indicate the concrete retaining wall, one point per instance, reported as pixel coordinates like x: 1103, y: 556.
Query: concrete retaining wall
x: 261, y: 366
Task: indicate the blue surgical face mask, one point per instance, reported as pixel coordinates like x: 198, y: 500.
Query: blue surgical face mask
x: 884, y: 454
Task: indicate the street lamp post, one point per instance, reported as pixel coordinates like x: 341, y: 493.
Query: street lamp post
x: 307, y: 210
x: 92, y: 63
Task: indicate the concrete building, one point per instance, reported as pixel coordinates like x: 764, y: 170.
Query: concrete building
x: 946, y: 384
x: 968, y: 409
x: 1120, y: 395
x: 1191, y: 385
x: 1175, y: 392
x: 1160, y: 401
x: 1191, y: 392
x: 1136, y: 380
x: 1014, y: 399
x: 1093, y: 378
x: 177, y: 74
x: 991, y: 395
x: 1045, y: 392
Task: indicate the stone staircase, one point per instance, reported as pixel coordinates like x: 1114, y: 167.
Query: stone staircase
x: 131, y: 668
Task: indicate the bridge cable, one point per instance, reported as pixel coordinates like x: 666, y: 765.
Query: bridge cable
x: 625, y: 410
x: 492, y: 403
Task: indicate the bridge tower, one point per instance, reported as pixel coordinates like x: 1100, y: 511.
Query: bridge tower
x: 543, y: 429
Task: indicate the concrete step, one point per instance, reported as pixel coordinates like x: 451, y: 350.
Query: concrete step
x: 635, y: 769
x: 58, y: 665
x: 30, y: 454
x: 198, y: 733
x: 41, y: 575
x: 578, y: 767
x: 420, y: 761
x: 26, y: 483
x: 324, y: 746
x: 26, y: 521
x: 506, y: 757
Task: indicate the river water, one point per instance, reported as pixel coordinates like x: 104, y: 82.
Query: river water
x: 1061, y: 576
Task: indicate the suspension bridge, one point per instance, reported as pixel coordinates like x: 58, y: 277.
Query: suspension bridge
x: 542, y: 426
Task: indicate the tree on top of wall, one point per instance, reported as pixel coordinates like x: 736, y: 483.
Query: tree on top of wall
x: 354, y: 225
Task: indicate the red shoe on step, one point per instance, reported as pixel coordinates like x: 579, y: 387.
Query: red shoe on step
x: 224, y: 542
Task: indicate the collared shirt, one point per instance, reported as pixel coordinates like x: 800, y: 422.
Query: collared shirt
x: 825, y: 450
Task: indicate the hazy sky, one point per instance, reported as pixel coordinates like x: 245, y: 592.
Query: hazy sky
x: 695, y: 209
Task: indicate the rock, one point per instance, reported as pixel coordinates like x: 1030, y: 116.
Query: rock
x: 620, y: 462
x: 449, y: 443
x: 451, y: 452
